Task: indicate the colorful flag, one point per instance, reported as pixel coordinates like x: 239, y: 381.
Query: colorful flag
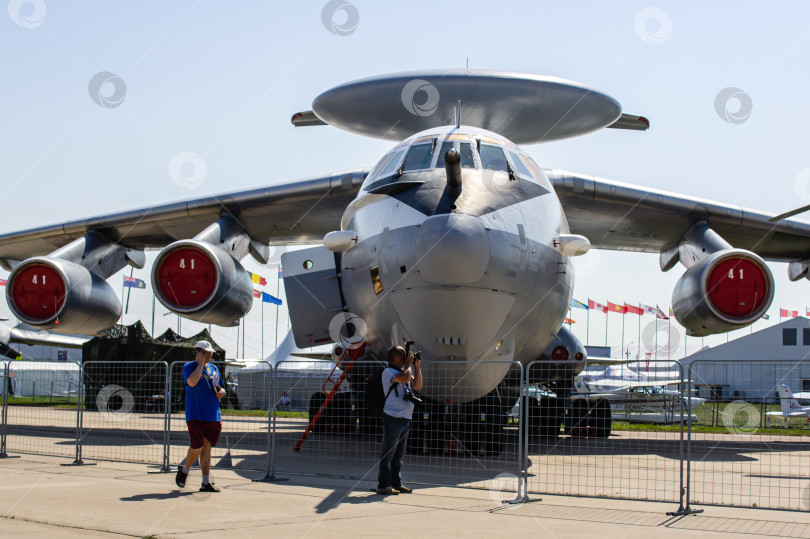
x: 578, y: 304
x: 616, y: 308
x: 570, y: 321
x: 632, y: 309
x: 3, y: 282
x: 660, y: 314
x: 258, y: 279
x: 785, y: 313
x: 256, y: 293
x: 648, y: 309
x: 593, y: 305
x: 670, y: 311
x: 267, y: 298
x: 133, y: 282
x: 280, y: 276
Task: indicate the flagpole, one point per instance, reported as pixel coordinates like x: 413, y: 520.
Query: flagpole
x: 624, y: 315
x: 656, y: 338
x: 588, y: 328
x: 262, y: 327
x: 606, y: 327
x: 278, y: 295
x: 669, y: 338
x: 126, y: 308
x: 638, y: 355
x: 153, y: 313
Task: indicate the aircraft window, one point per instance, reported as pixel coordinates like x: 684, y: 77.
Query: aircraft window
x: 465, y: 149
x: 492, y: 158
x: 520, y: 167
x: 391, y: 167
x: 384, y: 161
x: 418, y: 157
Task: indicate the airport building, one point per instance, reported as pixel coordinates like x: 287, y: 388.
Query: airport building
x: 751, y: 367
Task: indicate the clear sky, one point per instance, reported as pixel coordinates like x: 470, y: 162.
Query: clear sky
x: 222, y: 80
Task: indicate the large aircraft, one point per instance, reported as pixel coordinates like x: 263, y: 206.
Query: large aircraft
x: 456, y: 239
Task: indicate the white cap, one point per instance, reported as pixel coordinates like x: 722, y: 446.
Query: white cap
x: 205, y: 345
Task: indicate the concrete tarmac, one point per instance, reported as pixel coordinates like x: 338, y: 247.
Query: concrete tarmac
x: 41, y: 498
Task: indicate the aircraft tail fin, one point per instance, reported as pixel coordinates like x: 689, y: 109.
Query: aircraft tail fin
x: 786, y: 400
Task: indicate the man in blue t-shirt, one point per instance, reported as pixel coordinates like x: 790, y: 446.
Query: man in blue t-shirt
x: 204, y: 389
x: 402, y: 375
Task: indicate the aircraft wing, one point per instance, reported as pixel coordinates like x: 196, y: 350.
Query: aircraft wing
x: 10, y: 335
x: 620, y: 216
x: 299, y: 212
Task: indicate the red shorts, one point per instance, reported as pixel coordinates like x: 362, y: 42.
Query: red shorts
x: 199, y: 430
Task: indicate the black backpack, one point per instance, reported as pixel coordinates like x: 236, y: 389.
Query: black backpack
x: 375, y: 396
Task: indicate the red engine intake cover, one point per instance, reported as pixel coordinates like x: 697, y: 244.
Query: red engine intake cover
x: 38, y: 292
x: 186, y: 277
x: 737, y: 287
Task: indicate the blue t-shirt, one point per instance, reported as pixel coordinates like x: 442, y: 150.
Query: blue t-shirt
x: 395, y: 404
x: 201, y: 400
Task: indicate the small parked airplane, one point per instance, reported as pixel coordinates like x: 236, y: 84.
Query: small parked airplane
x: 790, y: 406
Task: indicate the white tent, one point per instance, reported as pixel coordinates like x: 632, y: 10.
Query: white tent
x: 42, y: 378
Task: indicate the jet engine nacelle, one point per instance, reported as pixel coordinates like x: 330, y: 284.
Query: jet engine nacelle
x: 563, y: 358
x: 201, y: 282
x: 727, y: 290
x: 52, y: 293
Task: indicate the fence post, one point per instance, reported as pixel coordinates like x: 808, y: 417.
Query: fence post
x: 684, y: 508
x: 270, y: 474
x: 79, y: 419
x: 167, y: 407
x: 4, y: 412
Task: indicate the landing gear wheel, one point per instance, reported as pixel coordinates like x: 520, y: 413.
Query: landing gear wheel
x: 549, y: 425
x: 601, y: 418
x: 579, y: 417
x: 315, y: 403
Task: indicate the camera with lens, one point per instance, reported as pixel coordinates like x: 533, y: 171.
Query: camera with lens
x: 410, y: 397
x: 417, y: 356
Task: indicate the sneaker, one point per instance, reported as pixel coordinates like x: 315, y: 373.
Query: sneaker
x: 386, y: 491
x: 180, y: 478
x: 402, y: 489
x: 208, y: 487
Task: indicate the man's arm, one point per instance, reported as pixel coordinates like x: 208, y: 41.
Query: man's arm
x: 417, y: 375
x: 195, y: 376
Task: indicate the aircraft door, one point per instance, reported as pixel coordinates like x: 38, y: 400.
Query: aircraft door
x: 312, y: 287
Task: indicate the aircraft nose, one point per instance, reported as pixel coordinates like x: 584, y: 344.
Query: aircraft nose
x: 453, y: 249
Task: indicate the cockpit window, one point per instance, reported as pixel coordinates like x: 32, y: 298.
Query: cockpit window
x: 465, y: 149
x: 418, y: 158
x: 493, y: 158
x: 391, y: 167
x: 520, y: 167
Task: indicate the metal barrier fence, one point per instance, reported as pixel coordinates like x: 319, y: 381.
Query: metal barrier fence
x: 41, y: 407
x: 123, y: 417
x: 712, y: 432
x: 742, y: 449
x: 465, y: 444
x: 620, y: 436
x: 243, y: 441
